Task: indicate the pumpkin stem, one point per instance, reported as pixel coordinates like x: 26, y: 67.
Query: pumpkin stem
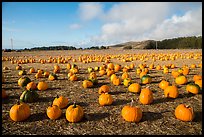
x: 74, y: 105
x: 132, y: 101
x: 18, y: 102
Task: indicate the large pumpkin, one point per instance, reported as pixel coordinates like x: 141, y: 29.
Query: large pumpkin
x: 29, y: 96
x: 60, y: 101
x: 53, y: 112
x: 105, y: 99
x: 23, y: 81
x: 134, y: 87
x: 74, y: 113
x: 146, y: 96
x: 131, y: 113
x: 19, y: 111
x: 184, y: 113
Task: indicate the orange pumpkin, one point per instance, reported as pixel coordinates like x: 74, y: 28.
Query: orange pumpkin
x: 117, y: 67
x: 104, y: 89
x: 142, y: 74
x: 125, y: 75
x: 105, y: 99
x: 192, y: 88
x: 134, y: 87
x: 87, y: 84
x: 53, y: 112
x: 31, y: 86
x: 171, y: 92
x: 199, y: 83
x: 74, y: 113
x: 175, y: 73
x: 184, y: 113
x: 197, y: 77
x: 181, y: 80
x: 186, y: 71
x: 131, y: 113
x: 73, y: 77
x: 60, y: 101
x: 146, y: 96
x: 46, y: 74
x: 42, y: 85
x: 32, y: 70
x: 116, y: 81
x: 163, y: 84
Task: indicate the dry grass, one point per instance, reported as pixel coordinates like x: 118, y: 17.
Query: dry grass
x: 158, y: 118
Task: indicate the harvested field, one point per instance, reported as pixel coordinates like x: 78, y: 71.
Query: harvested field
x: 158, y: 117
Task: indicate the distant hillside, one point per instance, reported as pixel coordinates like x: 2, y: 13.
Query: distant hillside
x: 175, y: 43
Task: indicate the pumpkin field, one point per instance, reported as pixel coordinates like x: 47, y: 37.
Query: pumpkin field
x: 102, y: 92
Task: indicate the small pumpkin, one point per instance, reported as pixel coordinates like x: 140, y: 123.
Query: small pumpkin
x: 87, y: 84
x: 104, y: 89
x: 146, y: 79
x: 146, y: 96
x: 73, y: 77
x: 116, y: 81
x: 197, y: 77
x: 22, y: 72
x: 92, y: 75
x: 125, y: 75
x: 46, y: 74
x: 175, y: 73
x: 184, y: 113
x: 23, y: 81
x: 53, y: 112
x: 163, y: 84
x: 127, y: 82
x: 60, y: 101
x: 131, y: 113
x: 186, y: 71
x: 171, y: 92
x: 74, y: 113
x: 38, y: 75
x: 19, y: 112
x: 29, y: 96
x: 32, y: 70
x: 192, y: 88
x: 181, y: 80
x: 112, y: 77
x: 199, y: 83
x: 134, y: 87
x: 52, y: 77
x: 42, y: 85
x: 31, y: 86
x: 117, y: 67
x: 105, y: 99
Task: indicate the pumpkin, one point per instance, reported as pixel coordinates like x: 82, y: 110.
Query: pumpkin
x: 42, y: 85
x: 116, y: 81
x: 29, y: 96
x: 38, y: 75
x: 92, y: 75
x: 18, y: 67
x: 138, y: 71
x: 186, y: 71
x: 184, y: 113
x: 142, y: 74
x: 131, y: 113
x: 94, y: 81
x: 53, y: 112
x: 19, y: 112
x: 146, y: 96
x: 181, y: 80
x: 146, y: 79
x: 46, y: 74
x: 4, y: 94
x: 87, y: 84
x: 68, y: 66
x: 171, y: 92
x: 23, y: 81
x: 32, y: 70
x: 52, y: 77
x: 102, y: 72
x: 110, y: 66
x: 199, y: 83
x: 175, y: 73
x: 105, y: 99
x: 73, y: 77
x: 31, y: 86
x: 60, y: 101
x: 109, y: 72
x: 112, y: 77
x: 117, y: 67
x: 134, y: 87
x: 127, y: 82
x: 163, y: 84
x: 125, y: 75
x: 56, y: 69
x: 22, y: 72
x: 197, y: 77
x: 104, y: 89
x: 90, y: 69
x: 74, y: 113
x: 192, y: 88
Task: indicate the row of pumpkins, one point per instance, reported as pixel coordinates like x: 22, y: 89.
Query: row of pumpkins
x: 106, y: 58
x: 74, y: 113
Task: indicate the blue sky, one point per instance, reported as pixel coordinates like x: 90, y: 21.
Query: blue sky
x: 85, y: 24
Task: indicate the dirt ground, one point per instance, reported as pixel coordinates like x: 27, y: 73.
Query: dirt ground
x: 158, y: 117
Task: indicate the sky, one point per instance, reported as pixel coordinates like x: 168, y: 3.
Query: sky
x: 86, y: 24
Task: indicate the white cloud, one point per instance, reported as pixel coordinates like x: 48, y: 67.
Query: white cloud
x: 90, y: 10
x: 75, y: 26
